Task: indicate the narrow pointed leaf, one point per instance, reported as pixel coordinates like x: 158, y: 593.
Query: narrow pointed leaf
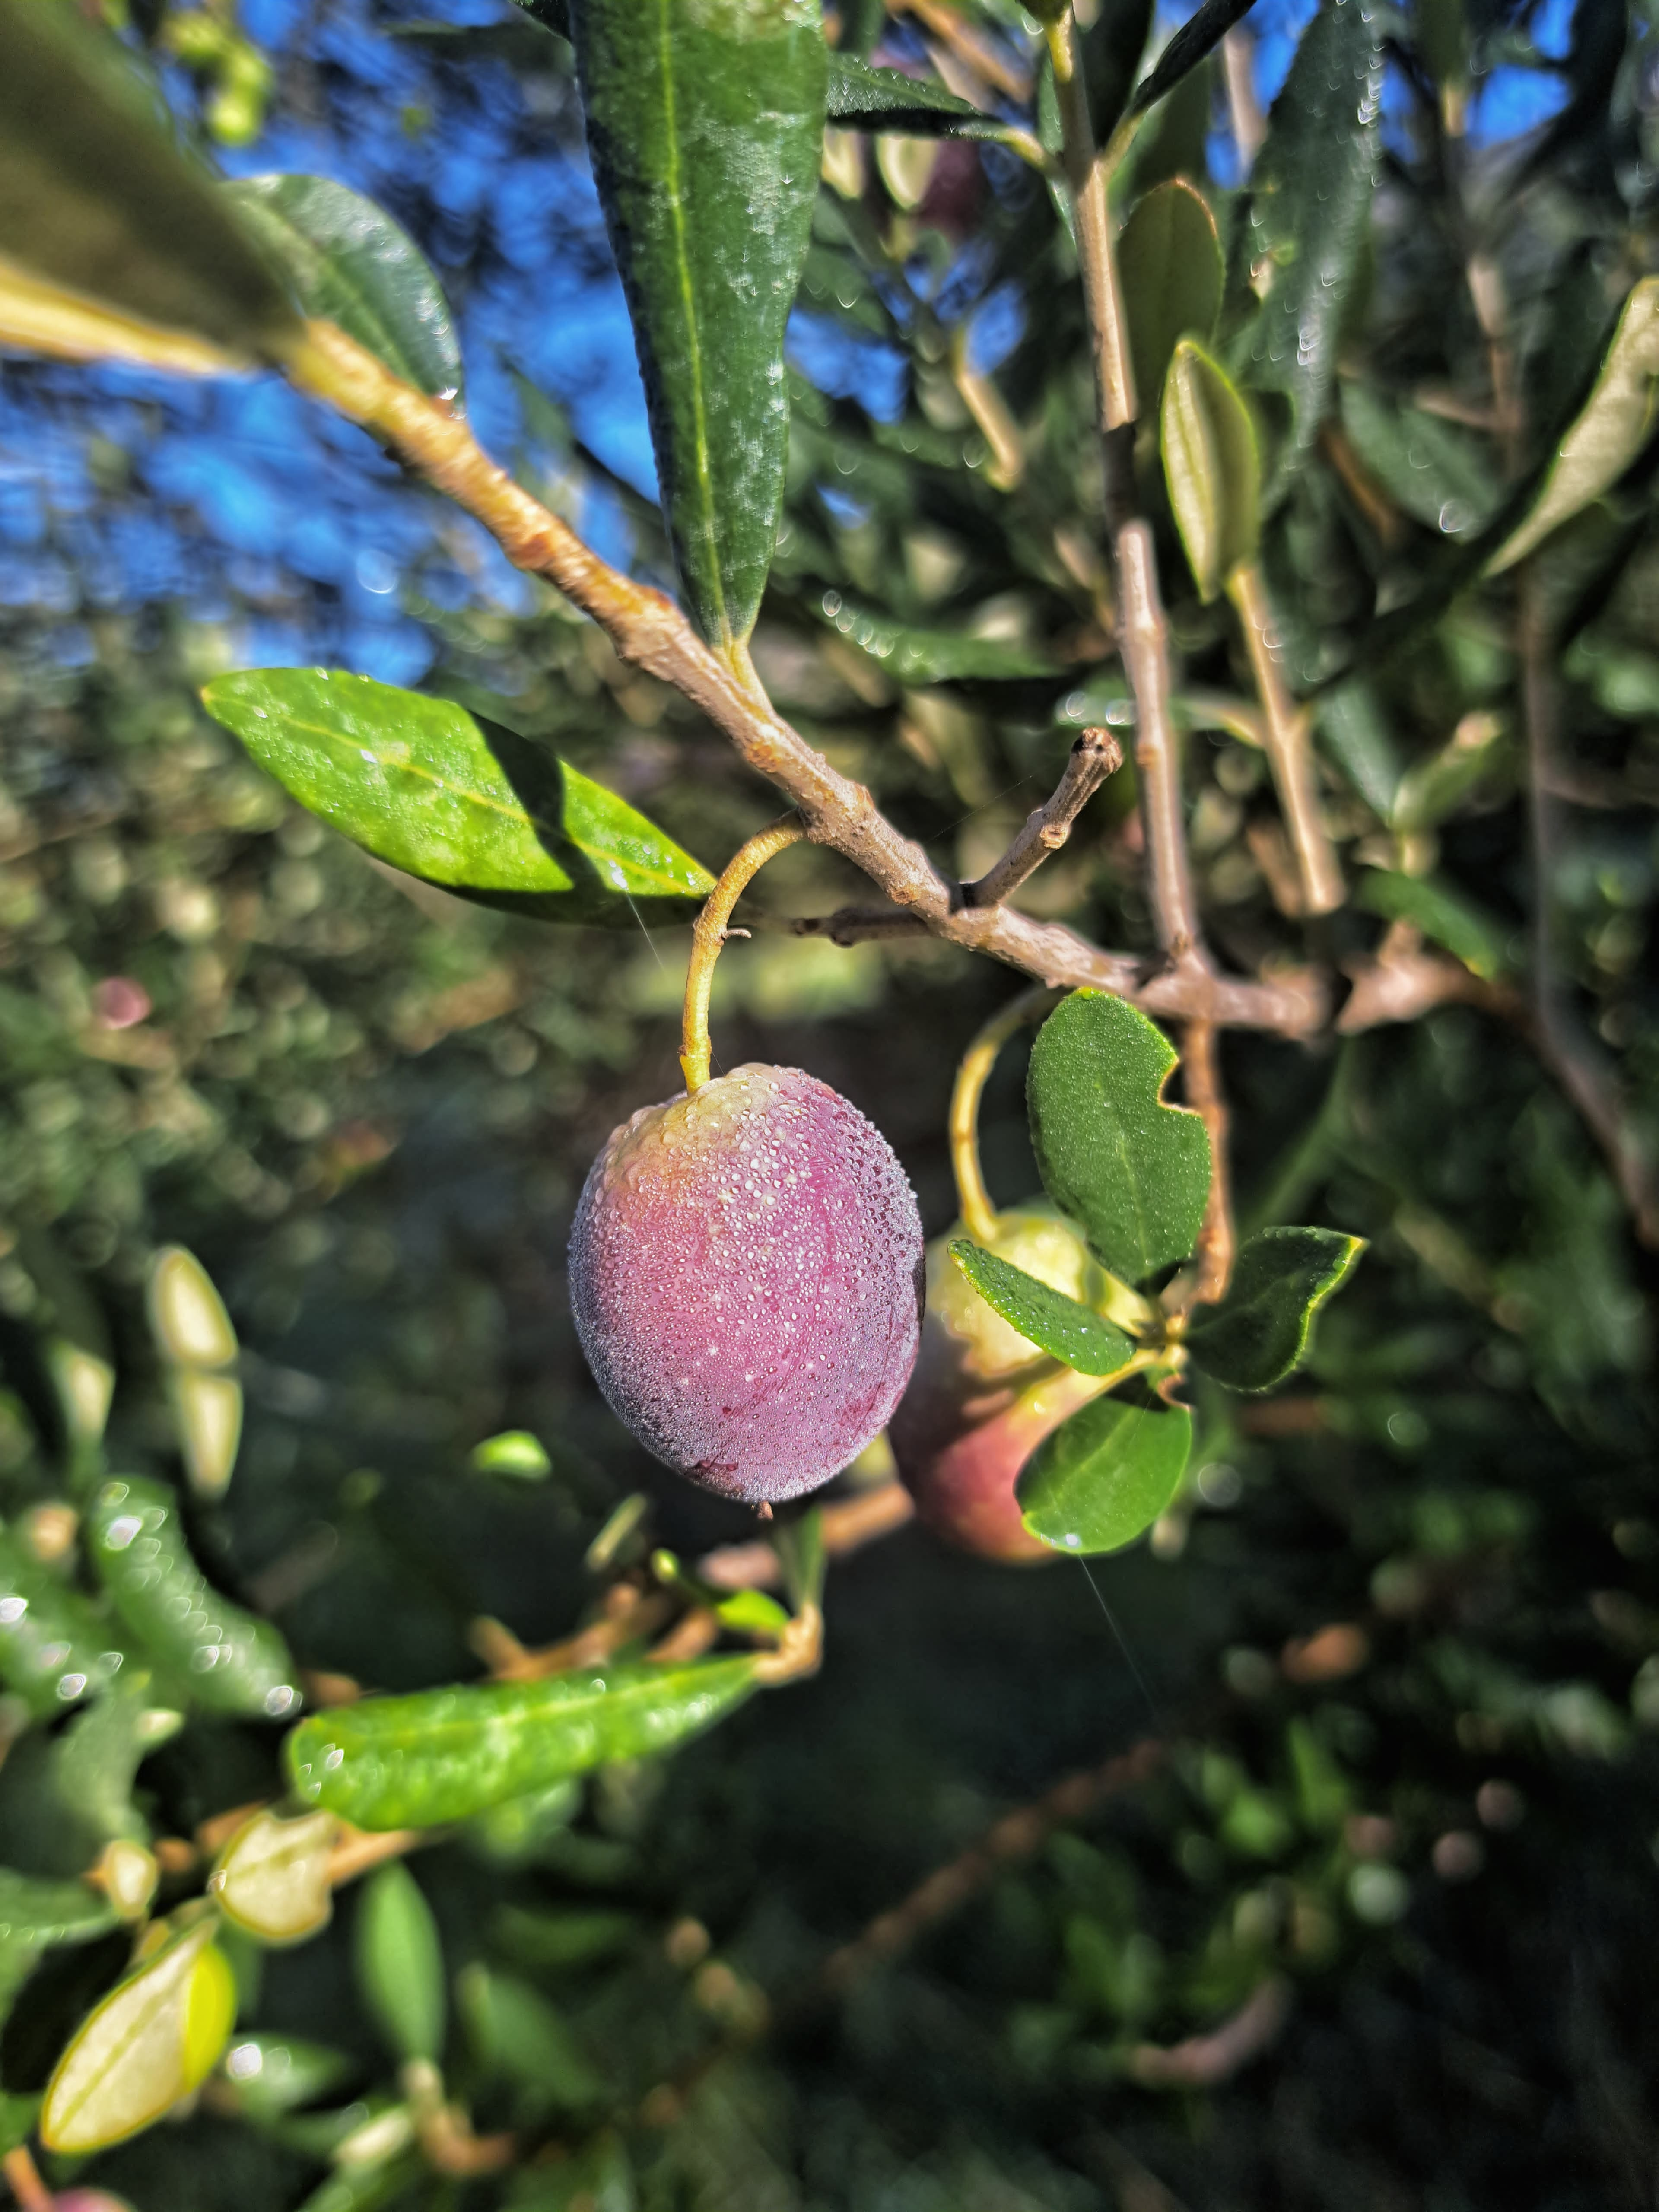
x: 913, y: 655
x: 1198, y: 37
x: 187, y: 1316
x: 1310, y: 198
x: 1104, y: 1475
x: 417, y: 1762
x: 1439, y: 471
x: 705, y: 121
x: 861, y: 98
x: 400, y: 1964
x: 40, y: 1912
x: 425, y: 785
x: 1171, y: 261
x: 349, y: 263
x: 55, y: 1647
x: 1611, y: 429
x: 272, y: 1877
x: 1064, y: 1328
x: 155, y: 2037
x: 1211, y: 467
x: 1479, y: 939
x: 1132, y: 1171
x: 96, y: 200
x: 223, y: 1656
x: 1259, y: 1331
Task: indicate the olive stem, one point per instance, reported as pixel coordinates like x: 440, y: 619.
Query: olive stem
x: 709, y: 934
x: 979, y: 1216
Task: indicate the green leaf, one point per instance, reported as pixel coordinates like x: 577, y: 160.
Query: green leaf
x: 429, y: 788
x: 909, y: 655
x: 1478, y: 939
x: 1105, y: 1474
x: 1310, y: 197
x: 1198, y: 37
x: 861, y: 98
x: 1610, y: 430
x: 272, y: 1878
x: 155, y: 2038
x: 400, y: 1964
x: 95, y: 197
x: 187, y: 1316
x: 1211, y: 466
x: 224, y: 1657
x: 54, y: 1647
x: 40, y: 1913
x: 1261, y: 1329
x: 1064, y: 1328
x: 1171, y: 261
x: 515, y: 1452
x: 705, y: 122
x: 1132, y: 1171
x: 417, y: 1762
x: 799, y: 1546
x: 1439, y: 472
x: 350, y: 265
x: 515, y: 2032
x: 552, y: 15
x: 1354, y: 732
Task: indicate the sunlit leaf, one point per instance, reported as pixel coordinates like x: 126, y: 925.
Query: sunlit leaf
x: 96, y: 200
x: 1211, y: 467
x: 349, y: 263
x: 1170, y: 261
x: 187, y: 1316
x: 515, y: 1453
x: 55, y: 1649
x: 1611, y: 429
x: 1105, y: 1474
x: 1064, y: 1328
x: 209, y: 1412
x: 272, y: 1877
x: 443, y: 1755
x: 1133, y: 1172
x: 400, y: 1964
x: 706, y: 127
x: 421, y: 783
x: 861, y: 98
x: 1259, y: 1331
x: 156, y: 2037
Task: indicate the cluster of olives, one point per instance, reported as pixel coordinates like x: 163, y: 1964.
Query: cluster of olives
x: 749, y: 1287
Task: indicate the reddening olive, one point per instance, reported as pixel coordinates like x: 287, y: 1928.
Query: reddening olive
x: 746, y: 1273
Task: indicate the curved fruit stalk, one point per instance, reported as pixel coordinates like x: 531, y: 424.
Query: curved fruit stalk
x: 746, y: 1263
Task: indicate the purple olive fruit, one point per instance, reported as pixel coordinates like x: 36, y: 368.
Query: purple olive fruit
x: 983, y: 1397
x: 746, y: 1272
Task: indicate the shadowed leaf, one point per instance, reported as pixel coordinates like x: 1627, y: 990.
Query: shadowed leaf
x: 1259, y: 1331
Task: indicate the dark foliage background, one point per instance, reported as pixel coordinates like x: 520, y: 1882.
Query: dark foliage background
x: 1429, y: 1834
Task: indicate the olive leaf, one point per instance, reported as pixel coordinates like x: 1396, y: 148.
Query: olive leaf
x: 1259, y: 1331
x: 1064, y: 1328
x: 1198, y: 37
x: 427, y: 788
x: 1211, y: 467
x: 400, y: 1964
x: 1105, y: 1474
x: 442, y: 1755
x: 97, y: 202
x: 1133, y: 1172
x: 155, y: 2038
x: 910, y: 654
x: 272, y: 1878
x: 1479, y: 939
x: 1170, y: 261
x: 1310, y: 198
x: 349, y: 263
x: 705, y: 122
x: 1614, y: 425
x: 40, y: 1912
x: 861, y: 98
